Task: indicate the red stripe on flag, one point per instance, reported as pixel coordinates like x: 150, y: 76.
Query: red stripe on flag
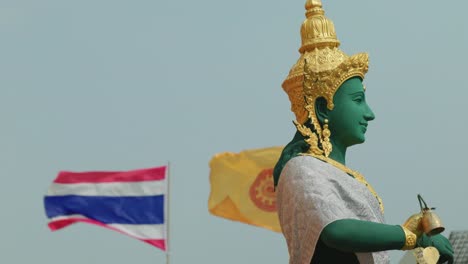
x: 59, y: 224
x: 151, y: 174
x: 161, y: 243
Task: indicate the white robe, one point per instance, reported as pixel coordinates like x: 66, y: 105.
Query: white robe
x: 310, y: 195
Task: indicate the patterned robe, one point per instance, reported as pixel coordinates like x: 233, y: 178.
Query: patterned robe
x: 312, y: 194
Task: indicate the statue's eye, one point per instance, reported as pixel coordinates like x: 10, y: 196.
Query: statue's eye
x: 358, y: 99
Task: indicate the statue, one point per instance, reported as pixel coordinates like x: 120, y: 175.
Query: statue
x: 328, y: 212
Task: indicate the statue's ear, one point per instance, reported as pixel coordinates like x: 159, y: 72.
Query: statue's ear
x: 321, y: 109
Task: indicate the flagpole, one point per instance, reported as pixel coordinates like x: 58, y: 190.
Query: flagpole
x: 167, y: 213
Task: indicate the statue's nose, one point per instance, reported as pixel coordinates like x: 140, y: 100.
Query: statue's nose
x: 369, y: 115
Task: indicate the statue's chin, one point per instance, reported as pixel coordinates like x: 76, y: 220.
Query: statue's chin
x: 357, y: 141
x: 362, y: 140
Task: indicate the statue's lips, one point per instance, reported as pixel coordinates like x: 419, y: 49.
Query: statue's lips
x: 364, y: 127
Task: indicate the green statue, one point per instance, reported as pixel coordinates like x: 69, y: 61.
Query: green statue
x: 328, y: 212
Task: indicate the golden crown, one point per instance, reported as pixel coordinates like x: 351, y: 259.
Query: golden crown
x: 322, y: 67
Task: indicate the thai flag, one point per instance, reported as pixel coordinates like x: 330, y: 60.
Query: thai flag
x: 131, y: 202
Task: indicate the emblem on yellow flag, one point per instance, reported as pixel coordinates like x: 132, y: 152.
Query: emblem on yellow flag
x: 242, y: 187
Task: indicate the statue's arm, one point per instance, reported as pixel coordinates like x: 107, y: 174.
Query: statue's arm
x: 350, y: 235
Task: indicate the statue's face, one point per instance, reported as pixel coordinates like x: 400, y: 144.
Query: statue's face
x: 349, y: 118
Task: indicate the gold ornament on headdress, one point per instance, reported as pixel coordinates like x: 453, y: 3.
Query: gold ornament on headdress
x: 327, y: 66
x: 319, y: 72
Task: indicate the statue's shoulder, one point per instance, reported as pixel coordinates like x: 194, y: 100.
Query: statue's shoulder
x: 303, y: 165
x: 305, y: 161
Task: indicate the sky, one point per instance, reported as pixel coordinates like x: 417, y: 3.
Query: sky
x: 120, y: 85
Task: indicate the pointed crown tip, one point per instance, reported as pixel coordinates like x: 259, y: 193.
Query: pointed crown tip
x: 317, y: 30
x: 313, y: 3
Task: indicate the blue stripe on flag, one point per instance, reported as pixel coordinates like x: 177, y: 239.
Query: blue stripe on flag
x: 109, y: 210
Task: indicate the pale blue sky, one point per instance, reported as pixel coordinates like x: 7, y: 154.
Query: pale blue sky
x: 117, y: 85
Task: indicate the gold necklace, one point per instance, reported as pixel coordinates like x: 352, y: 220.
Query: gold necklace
x: 356, y: 175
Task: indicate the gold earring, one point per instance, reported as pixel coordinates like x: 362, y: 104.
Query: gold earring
x: 326, y: 145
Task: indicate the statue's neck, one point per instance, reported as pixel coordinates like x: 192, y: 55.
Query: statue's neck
x: 338, y: 152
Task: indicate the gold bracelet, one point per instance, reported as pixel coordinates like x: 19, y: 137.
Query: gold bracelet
x: 410, y: 239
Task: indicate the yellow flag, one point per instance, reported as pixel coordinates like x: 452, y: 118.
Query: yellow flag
x: 242, y: 187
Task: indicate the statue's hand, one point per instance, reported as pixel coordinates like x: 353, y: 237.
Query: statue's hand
x: 441, y: 243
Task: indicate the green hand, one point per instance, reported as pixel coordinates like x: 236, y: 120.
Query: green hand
x: 441, y: 243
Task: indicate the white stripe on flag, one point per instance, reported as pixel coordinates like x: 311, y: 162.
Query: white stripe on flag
x: 68, y: 217
x: 137, y: 231
x: 142, y: 231
x: 145, y: 188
